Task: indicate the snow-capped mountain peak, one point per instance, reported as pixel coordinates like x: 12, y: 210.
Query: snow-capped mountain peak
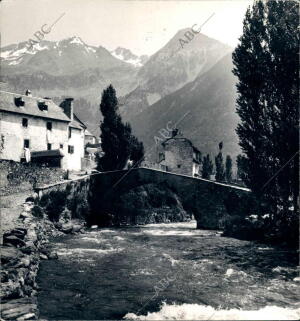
x: 14, y: 54
x: 77, y: 40
x: 127, y: 56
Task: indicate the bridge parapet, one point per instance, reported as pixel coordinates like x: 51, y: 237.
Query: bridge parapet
x: 131, y: 192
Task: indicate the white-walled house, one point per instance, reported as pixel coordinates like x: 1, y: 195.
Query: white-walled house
x: 37, y: 130
x: 177, y: 154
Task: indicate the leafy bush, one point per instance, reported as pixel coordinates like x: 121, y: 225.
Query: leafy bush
x: 37, y: 211
x: 56, y: 204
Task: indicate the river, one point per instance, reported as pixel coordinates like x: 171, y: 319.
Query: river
x: 167, y: 271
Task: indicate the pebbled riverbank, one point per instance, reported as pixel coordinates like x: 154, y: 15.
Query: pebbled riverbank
x: 24, y: 246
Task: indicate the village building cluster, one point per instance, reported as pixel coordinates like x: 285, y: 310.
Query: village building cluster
x: 177, y: 154
x: 37, y: 130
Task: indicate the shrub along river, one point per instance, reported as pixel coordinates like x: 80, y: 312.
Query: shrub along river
x: 167, y: 271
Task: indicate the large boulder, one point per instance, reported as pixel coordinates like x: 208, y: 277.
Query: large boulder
x: 13, y: 240
x: 19, y: 309
x: 10, y: 254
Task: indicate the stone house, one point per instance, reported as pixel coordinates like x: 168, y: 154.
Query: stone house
x: 177, y: 154
x: 89, y: 138
x: 38, y: 130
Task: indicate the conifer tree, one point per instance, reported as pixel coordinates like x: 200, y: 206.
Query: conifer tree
x: 207, y: 167
x: 117, y: 141
x: 228, y: 169
x: 266, y: 64
x: 242, y: 170
x: 220, y: 172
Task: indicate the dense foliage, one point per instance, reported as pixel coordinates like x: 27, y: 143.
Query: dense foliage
x: 207, y: 167
x: 266, y: 64
x: 117, y: 142
x: 220, y: 171
x: 228, y: 169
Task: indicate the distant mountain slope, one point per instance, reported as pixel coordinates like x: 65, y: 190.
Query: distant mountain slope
x: 209, y: 105
x: 65, y: 57
x: 66, y: 68
x: 127, y: 56
x: 171, y: 68
x: 195, y: 74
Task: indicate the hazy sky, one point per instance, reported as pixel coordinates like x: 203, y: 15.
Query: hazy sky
x: 139, y: 25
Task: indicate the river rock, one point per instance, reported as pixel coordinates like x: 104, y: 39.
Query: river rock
x: 52, y: 255
x: 14, y: 240
x: 25, y: 261
x: 31, y: 235
x: 19, y: 309
x: 27, y: 206
x: 25, y: 215
x: 43, y: 256
x: 3, y: 276
x: 18, y: 232
x: 67, y: 228
x: 9, y: 254
x: 28, y: 248
x: 77, y: 228
x: 11, y: 290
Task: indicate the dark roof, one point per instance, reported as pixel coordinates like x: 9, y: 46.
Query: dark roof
x: 77, y: 123
x: 88, y: 133
x: 181, y: 137
x: 7, y: 103
x: 48, y: 153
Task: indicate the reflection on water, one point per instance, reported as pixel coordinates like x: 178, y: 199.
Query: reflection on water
x: 167, y: 271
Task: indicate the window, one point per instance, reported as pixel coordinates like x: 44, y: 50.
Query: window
x: 26, y: 143
x: 42, y: 106
x: 19, y: 102
x: 70, y: 149
x: 49, y: 125
x: 161, y: 157
x: 24, y: 122
x: 61, y: 145
x: 49, y: 146
x: 70, y: 132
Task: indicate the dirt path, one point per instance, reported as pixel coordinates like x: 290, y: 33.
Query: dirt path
x: 11, y: 207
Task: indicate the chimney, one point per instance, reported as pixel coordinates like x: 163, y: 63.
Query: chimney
x: 67, y: 106
x: 175, y: 132
x: 28, y: 93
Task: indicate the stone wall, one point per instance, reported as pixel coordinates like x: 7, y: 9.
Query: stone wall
x: 17, y: 177
x: 141, y: 196
x: 209, y: 202
x: 178, y: 153
x: 69, y: 198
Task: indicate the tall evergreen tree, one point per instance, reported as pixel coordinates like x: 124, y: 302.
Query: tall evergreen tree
x: 220, y: 171
x: 266, y: 64
x: 242, y: 169
x: 228, y: 169
x: 207, y: 167
x: 137, y: 151
x: 117, y: 141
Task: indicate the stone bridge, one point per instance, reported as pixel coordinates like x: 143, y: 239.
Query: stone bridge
x: 130, y: 196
